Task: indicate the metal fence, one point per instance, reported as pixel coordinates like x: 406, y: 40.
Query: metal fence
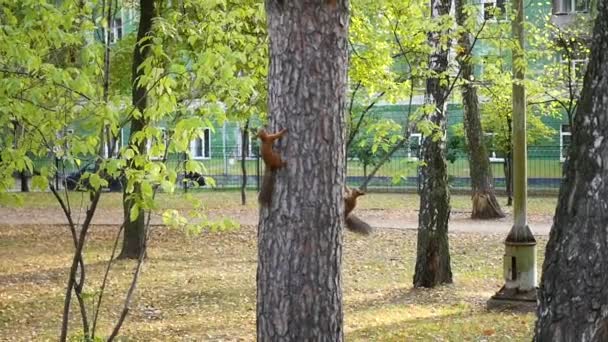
x: 398, y: 174
x: 544, y: 171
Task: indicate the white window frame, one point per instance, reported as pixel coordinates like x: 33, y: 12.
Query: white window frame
x: 165, y: 138
x: 563, y: 133
x: 491, y: 152
x: 239, y: 144
x: 486, y: 3
x: 574, y: 63
x: 117, y: 28
x: 410, y: 153
x: 203, y: 145
x: 560, y: 7
x: 65, y: 133
x: 117, y: 146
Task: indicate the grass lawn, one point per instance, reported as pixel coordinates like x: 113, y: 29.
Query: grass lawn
x: 211, y: 199
x: 203, y: 287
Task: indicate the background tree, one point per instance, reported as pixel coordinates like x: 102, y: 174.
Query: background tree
x: 572, y: 295
x: 245, y: 133
x: 433, y: 254
x: 299, y: 241
x: 388, y: 56
x: 564, y: 49
x: 201, y: 74
x: 57, y: 77
x: 374, y: 141
x: 497, y: 110
x: 485, y: 205
x: 54, y: 79
x: 134, y: 231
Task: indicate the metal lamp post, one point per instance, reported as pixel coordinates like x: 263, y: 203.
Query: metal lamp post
x: 519, y: 264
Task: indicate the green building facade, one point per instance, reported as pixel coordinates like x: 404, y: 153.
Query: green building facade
x: 220, y: 148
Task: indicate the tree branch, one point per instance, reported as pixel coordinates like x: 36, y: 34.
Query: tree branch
x: 42, y: 78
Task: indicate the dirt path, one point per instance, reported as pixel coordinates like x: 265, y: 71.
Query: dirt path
x: 381, y: 219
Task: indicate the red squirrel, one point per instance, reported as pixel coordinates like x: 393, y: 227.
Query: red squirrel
x: 273, y: 162
x: 353, y: 223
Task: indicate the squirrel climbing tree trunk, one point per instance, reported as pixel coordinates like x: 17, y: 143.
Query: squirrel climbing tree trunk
x: 299, y: 286
x: 573, y: 296
x: 485, y: 205
x: 433, y: 254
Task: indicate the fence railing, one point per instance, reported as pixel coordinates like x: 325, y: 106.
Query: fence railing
x: 399, y: 173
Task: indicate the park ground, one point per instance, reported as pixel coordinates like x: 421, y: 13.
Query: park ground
x: 202, y: 287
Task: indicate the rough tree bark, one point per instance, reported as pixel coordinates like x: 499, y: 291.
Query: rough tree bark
x: 485, y: 205
x: 573, y: 296
x: 299, y: 286
x: 433, y: 254
x: 134, y: 231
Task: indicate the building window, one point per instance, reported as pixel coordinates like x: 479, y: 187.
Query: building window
x: 578, y: 68
x: 492, y: 147
x: 250, y: 147
x: 156, y: 153
x: 117, y: 145
x: 199, y: 147
x: 565, y: 138
x: 563, y: 7
x: 65, y: 137
x: 116, y: 32
x: 414, y: 144
x: 494, y: 9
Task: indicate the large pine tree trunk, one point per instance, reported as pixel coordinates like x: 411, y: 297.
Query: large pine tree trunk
x: 485, y: 205
x: 134, y: 231
x: 433, y: 255
x: 299, y: 286
x: 573, y: 296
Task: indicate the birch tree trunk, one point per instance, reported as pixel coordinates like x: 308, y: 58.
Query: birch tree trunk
x: 299, y: 286
x: 433, y: 254
x: 485, y: 205
x: 573, y: 296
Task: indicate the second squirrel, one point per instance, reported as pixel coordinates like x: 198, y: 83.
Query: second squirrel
x: 353, y: 223
x: 273, y: 162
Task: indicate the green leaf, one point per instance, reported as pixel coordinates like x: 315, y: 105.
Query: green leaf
x: 134, y: 213
x: 210, y: 181
x: 39, y: 182
x: 95, y: 181
x: 146, y: 190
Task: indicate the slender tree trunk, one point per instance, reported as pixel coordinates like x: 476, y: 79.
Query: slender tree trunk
x: 24, y: 185
x: 18, y: 135
x: 244, y: 153
x: 299, y: 285
x: 134, y: 235
x: 433, y: 255
x: 485, y: 205
x: 573, y: 296
x: 508, y: 170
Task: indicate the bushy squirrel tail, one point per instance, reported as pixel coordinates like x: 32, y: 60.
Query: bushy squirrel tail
x: 265, y: 195
x: 356, y: 225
